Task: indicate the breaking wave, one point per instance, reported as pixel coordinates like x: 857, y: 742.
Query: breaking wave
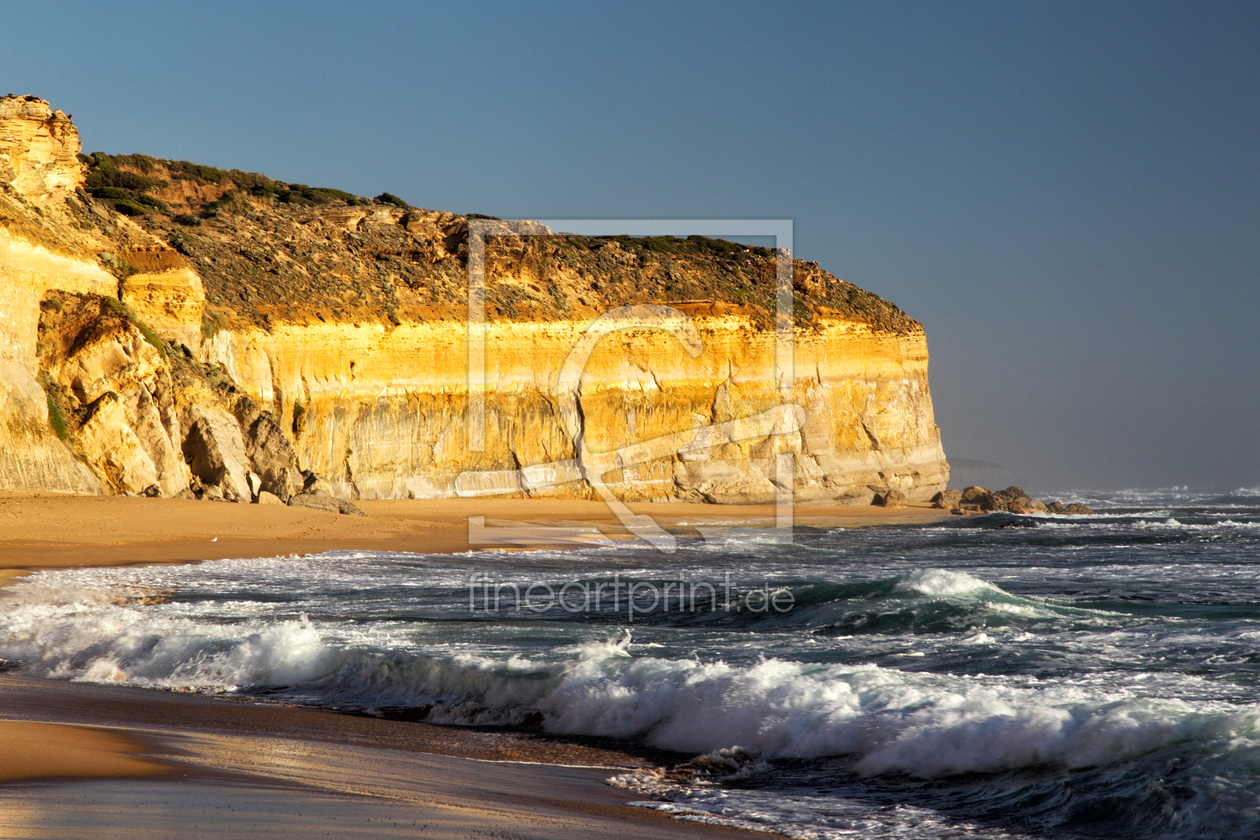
x: 884, y: 719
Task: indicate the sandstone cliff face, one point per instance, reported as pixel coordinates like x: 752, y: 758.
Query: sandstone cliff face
x: 383, y: 413
x: 164, y: 293
x: 38, y: 166
x: 275, y: 328
x: 39, y: 148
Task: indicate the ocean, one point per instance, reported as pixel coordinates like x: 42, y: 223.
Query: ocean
x: 997, y: 676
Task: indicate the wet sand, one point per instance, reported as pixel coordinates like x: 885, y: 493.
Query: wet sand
x: 210, y: 767
x: 168, y: 762
x: 43, y: 750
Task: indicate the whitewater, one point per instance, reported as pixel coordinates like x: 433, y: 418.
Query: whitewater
x: 994, y: 676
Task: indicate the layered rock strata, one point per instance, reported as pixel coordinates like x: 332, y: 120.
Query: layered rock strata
x: 383, y: 413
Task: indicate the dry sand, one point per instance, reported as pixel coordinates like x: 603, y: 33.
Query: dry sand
x: 273, y: 771
x: 46, y: 530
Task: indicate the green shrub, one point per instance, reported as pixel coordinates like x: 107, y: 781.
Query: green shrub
x: 102, y: 178
x: 145, y: 163
x: 187, y: 171
x: 128, y: 191
x: 304, y: 196
x: 335, y: 194
x: 694, y: 244
x: 294, y: 197
x: 112, y: 193
x: 225, y: 202
x: 390, y: 198
x: 186, y: 219
x: 248, y: 180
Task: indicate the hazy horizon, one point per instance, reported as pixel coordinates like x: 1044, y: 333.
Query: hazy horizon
x: 1064, y: 194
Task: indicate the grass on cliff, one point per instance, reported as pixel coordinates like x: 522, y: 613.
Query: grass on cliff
x: 56, y: 414
x: 128, y: 183
x: 117, y: 307
x: 259, y: 260
x: 56, y: 419
x: 211, y: 323
x: 390, y: 198
x: 693, y: 245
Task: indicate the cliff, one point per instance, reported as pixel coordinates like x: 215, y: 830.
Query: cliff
x: 38, y: 252
x: 217, y: 332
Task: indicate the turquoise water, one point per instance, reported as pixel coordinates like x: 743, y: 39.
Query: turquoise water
x: 996, y: 676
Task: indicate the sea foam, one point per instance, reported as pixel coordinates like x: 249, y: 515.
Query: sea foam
x: 887, y: 720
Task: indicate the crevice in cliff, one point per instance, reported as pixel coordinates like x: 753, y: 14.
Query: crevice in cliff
x: 578, y: 439
x: 347, y: 469
x: 872, y: 435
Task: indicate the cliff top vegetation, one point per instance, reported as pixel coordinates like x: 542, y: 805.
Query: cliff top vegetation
x: 271, y: 251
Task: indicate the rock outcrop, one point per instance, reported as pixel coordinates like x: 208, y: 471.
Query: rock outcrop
x: 976, y: 499
x: 112, y: 391
x: 891, y: 499
x: 148, y: 419
x: 221, y: 334
x: 39, y: 149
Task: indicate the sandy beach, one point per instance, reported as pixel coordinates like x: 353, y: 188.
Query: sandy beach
x: 170, y: 758
x: 47, y: 530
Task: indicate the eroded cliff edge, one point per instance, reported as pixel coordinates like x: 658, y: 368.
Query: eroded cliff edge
x: 159, y: 309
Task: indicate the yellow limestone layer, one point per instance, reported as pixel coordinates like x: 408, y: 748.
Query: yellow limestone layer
x: 170, y: 301
x: 31, y: 456
x: 385, y: 412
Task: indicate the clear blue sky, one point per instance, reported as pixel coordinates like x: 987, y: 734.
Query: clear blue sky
x: 1065, y: 194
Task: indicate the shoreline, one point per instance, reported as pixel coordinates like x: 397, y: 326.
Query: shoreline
x: 53, y: 531
x: 83, y: 735
x: 298, y: 769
